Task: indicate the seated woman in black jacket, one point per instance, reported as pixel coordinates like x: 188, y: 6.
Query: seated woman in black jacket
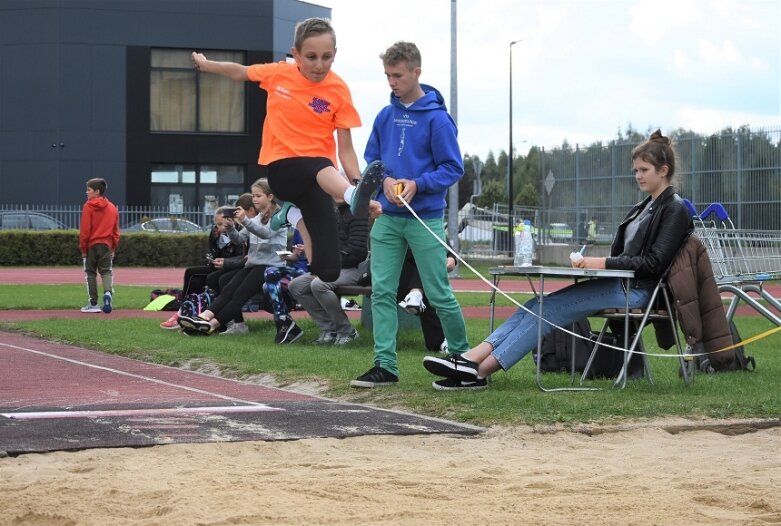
x: 223, y: 256
x: 647, y: 241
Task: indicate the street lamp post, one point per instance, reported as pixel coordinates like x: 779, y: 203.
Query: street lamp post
x: 510, y: 223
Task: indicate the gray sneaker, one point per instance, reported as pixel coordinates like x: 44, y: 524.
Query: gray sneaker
x: 91, y: 307
x: 344, y: 339
x: 235, y: 328
x: 325, y: 338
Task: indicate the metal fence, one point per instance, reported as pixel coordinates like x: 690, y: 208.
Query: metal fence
x: 740, y: 169
x: 585, y: 192
x: 69, y: 216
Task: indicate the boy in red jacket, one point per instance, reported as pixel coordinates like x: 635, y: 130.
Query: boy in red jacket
x: 98, y: 240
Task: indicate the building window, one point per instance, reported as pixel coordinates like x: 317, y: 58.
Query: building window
x: 185, y: 100
x: 180, y: 187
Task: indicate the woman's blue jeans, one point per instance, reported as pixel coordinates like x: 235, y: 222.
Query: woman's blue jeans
x: 518, y: 335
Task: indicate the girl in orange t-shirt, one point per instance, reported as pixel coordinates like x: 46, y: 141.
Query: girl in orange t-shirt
x: 306, y: 103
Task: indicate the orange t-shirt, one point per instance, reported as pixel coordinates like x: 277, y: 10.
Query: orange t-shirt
x: 301, y: 115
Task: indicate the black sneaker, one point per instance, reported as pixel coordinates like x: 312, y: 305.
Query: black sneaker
x: 196, y: 324
x: 452, y: 366
x: 287, y: 331
x: 449, y: 384
x: 294, y: 332
x: 375, y: 377
x: 367, y: 185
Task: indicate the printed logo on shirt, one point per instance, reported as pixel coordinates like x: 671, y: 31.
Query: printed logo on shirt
x: 405, y: 121
x: 282, y: 92
x: 320, y: 105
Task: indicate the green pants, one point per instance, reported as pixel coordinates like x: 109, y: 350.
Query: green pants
x: 390, y: 237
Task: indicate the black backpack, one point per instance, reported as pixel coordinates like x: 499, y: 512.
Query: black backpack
x: 557, y: 350
x: 740, y: 361
x: 556, y: 355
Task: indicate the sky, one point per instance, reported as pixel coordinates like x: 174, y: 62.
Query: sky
x: 583, y: 70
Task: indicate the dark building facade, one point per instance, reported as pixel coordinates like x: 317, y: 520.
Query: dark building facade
x: 106, y: 88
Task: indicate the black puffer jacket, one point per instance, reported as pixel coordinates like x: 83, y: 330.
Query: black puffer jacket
x: 353, y: 237
x: 653, y: 249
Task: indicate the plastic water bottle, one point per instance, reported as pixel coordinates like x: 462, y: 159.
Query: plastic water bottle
x: 524, y: 245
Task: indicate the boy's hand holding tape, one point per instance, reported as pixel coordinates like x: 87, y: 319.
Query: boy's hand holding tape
x: 393, y: 188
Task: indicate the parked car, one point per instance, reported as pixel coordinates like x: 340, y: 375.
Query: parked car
x: 23, y: 220
x: 165, y: 225
x: 560, y: 233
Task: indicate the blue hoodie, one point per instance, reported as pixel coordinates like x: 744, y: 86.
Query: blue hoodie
x: 420, y: 143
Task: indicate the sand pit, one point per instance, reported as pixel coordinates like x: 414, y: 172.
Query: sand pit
x: 663, y: 472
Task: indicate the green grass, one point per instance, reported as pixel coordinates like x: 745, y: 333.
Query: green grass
x: 511, y: 399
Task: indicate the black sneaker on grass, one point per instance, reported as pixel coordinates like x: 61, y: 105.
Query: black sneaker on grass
x: 375, y: 377
x: 452, y: 366
x: 196, y: 324
x: 449, y: 384
x: 294, y: 332
x: 287, y: 331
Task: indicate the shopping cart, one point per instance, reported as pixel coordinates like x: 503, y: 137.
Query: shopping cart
x: 743, y: 260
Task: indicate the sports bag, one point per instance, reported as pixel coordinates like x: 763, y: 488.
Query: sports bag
x: 740, y: 361
x: 194, y: 304
x: 557, y: 349
x: 171, y: 305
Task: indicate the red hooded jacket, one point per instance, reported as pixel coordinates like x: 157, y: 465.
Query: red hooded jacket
x: 99, y: 224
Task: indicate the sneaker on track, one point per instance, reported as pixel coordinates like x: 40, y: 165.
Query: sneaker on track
x: 90, y: 308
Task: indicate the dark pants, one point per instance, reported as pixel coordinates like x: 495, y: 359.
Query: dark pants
x: 195, y: 278
x: 295, y: 180
x: 243, y: 285
x: 433, y: 334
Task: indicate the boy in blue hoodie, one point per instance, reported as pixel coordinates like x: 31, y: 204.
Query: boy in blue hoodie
x: 416, y: 140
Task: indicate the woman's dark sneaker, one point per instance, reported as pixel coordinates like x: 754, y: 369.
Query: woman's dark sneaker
x: 367, y: 186
x: 449, y: 384
x: 452, y: 366
x: 375, y: 377
x: 196, y: 324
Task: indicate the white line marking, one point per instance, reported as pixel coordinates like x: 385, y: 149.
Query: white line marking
x: 38, y: 415
x: 132, y: 375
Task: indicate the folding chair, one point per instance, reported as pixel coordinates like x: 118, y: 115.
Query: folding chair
x: 659, y: 309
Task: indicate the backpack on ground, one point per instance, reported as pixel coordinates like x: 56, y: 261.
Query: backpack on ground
x: 739, y: 362
x: 557, y: 349
x: 194, y: 304
x: 608, y: 362
x: 173, y: 304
